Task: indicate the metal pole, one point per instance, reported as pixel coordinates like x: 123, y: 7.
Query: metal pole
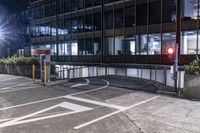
x: 45, y: 74
x: 177, y: 45
x: 176, y: 69
x: 33, y: 73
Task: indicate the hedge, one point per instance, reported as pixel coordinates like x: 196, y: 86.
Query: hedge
x: 20, y: 60
x: 193, y: 67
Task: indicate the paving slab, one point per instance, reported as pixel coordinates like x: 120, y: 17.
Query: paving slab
x: 94, y: 106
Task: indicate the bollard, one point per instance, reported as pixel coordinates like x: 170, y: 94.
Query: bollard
x: 45, y: 74
x: 33, y: 73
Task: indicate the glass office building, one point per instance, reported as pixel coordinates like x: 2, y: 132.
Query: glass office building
x: 114, y: 31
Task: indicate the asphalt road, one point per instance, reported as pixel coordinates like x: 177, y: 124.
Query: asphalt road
x: 93, y: 105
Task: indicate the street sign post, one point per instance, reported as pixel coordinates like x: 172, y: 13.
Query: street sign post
x: 45, y: 60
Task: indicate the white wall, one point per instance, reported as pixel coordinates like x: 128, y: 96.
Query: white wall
x: 161, y: 76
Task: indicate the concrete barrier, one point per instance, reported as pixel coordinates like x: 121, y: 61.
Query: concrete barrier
x: 19, y: 70
x: 192, y: 87
x: 161, y: 75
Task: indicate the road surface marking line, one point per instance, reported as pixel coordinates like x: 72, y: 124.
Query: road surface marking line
x: 10, y: 87
x: 81, y: 84
x: 95, y: 102
x: 25, y: 104
x: 13, y: 90
x: 38, y: 119
x: 50, y: 99
x: 76, y: 109
x: 39, y: 115
x: 78, y: 85
x: 11, y: 79
x: 114, y: 113
x: 29, y: 115
x: 83, y: 92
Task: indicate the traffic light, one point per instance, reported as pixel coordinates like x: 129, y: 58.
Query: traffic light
x: 171, y: 54
x: 170, y: 51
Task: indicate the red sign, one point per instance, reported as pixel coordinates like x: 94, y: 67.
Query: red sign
x: 41, y: 52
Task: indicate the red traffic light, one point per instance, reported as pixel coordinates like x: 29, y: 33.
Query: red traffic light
x: 170, y: 51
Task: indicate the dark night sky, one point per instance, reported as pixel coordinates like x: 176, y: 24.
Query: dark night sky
x: 13, y: 5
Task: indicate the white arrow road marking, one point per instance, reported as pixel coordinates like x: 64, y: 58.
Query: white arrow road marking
x: 97, y: 89
x: 114, y: 113
x: 95, y: 102
x: 50, y: 99
x: 81, y: 84
x: 76, y: 109
x: 39, y: 115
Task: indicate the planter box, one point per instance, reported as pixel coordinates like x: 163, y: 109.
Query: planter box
x: 192, y: 86
x: 19, y: 70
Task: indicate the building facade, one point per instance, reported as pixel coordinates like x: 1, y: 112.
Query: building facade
x: 114, y: 31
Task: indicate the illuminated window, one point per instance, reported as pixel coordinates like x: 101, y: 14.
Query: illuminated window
x: 189, y: 42
x: 74, y: 47
x: 168, y: 41
x: 130, y: 46
x: 154, y: 44
x: 144, y: 44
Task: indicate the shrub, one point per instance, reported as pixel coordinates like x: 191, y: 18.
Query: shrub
x: 53, y: 68
x: 20, y: 60
x: 193, y: 67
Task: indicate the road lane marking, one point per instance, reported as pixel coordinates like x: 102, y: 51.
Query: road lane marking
x: 74, y: 107
x: 11, y: 79
x: 78, y: 85
x: 39, y: 115
x: 100, y: 88
x: 38, y: 119
x: 20, y: 89
x: 81, y: 84
x: 114, y: 113
x: 24, y: 119
x: 95, y: 102
x: 10, y: 87
x: 13, y: 90
x: 35, y: 102
x: 50, y: 99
